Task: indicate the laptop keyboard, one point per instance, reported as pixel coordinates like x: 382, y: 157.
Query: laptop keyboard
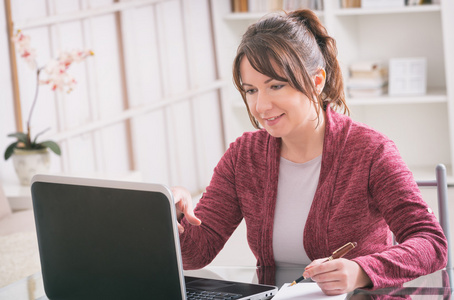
x: 198, y: 295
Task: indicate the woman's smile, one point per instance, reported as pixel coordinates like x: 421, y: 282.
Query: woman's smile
x: 273, y: 120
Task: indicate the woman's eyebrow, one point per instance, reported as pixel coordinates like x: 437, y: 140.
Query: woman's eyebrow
x: 266, y: 81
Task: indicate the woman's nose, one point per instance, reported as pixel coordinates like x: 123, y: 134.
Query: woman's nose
x: 263, y: 103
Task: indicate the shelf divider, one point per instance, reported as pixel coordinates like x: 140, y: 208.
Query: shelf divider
x: 391, y: 10
x: 432, y: 96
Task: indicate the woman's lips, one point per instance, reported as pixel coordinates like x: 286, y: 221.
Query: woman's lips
x: 274, y: 120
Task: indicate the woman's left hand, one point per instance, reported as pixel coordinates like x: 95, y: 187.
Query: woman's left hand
x: 338, y: 276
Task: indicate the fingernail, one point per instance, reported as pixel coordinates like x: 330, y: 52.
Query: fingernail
x: 308, y: 268
x: 306, y: 275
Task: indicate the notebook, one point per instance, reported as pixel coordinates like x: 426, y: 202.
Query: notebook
x: 305, y: 290
x: 104, y: 239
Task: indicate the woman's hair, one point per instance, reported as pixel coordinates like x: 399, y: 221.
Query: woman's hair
x: 298, y: 46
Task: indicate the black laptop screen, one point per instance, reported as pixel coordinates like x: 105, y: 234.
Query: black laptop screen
x: 105, y: 241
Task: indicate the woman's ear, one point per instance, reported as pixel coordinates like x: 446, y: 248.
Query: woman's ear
x: 319, y: 80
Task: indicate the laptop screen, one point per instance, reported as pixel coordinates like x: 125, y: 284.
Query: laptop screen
x: 109, y: 240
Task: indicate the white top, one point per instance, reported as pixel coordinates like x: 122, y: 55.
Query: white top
x: 295, y: 192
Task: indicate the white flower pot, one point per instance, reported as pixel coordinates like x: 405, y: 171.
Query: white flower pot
x: 27, y: 163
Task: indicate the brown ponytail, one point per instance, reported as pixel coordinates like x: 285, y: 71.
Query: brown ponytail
x: 334, y: 87
x: 297, y: 45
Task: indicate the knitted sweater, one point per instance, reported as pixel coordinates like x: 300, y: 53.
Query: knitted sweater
x: 364, y: 191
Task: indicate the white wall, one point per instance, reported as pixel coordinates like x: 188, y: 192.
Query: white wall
x: 141, y: 103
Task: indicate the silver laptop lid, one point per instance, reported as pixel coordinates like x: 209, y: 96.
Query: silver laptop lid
x: 107, y: 239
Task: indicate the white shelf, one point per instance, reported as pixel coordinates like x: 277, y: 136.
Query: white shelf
x: 368, y: 34
x: 433, y: 96
x: 391, y: 10
x: 252, y: 16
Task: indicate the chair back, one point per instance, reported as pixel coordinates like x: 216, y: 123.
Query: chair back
x: 441, y: 184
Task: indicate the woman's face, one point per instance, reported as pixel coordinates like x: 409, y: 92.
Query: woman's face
x: 279, y: 108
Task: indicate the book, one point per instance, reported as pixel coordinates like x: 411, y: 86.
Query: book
x: 350, y: 3
x: 278, y: 5
x: 367, y: 65
x: 239, y: 6
x: 289, y: 5
x: 366, y: 83
x: 383, y: 3
x: 367, y: 79
x: 365, y: 93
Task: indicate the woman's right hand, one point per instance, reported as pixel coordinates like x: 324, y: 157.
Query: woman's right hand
x: 183, y: 204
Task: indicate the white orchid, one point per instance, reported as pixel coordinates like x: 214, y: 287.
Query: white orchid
x: 58, y: 79
x: 24, y: 49
x: 56, y: 70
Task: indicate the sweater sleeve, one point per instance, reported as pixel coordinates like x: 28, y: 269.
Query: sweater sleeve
x: 219, y: 212
x: 422, y: 246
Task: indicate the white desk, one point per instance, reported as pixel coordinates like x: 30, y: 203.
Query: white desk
x: 433, y: 286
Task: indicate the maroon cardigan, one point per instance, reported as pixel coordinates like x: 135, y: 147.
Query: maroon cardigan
x: 364, y: 190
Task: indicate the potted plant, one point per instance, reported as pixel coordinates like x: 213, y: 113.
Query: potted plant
x: 29, y: 155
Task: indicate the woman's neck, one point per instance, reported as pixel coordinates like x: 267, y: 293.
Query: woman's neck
x: 307, y: 145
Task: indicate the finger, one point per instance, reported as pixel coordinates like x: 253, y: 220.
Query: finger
x: 319, y: 267
x: 315, y: 263
x: 183, y: 204
x: 331, y: 288
x: 192, y: 219
x: 179, y: 194
x: 325, y: 277
x: 180, y: 228
x: 188, y: 212
x: 332, y: 291
x: 331, y: 279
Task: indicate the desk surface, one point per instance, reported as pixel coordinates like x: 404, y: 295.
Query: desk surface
x: 433, y: 286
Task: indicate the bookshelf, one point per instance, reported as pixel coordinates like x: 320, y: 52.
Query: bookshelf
x: 421, y: 126
x: 377, y: 11
x: 252, y: 17
x: 432, y: 96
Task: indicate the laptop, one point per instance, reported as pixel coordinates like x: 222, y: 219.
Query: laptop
x: 105, y: 239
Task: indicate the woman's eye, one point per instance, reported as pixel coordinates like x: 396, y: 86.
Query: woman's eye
x: 250, y: 91
x: 277, y: 86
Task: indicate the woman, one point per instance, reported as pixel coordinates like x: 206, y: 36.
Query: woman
x: 311, y: 179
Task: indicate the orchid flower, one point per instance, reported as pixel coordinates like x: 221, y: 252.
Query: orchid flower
x: 24, y: 49
x: 57, y: 78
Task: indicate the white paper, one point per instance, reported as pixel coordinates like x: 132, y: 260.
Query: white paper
x: 304, y: 290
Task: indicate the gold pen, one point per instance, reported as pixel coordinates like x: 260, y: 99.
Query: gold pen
x: 336, y: 254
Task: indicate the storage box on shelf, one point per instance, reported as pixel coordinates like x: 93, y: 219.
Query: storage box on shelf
x: 422, y: 125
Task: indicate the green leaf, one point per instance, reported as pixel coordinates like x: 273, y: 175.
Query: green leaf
x: 22, y: 137
x: 52, y: 146
x: 9, y: 150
